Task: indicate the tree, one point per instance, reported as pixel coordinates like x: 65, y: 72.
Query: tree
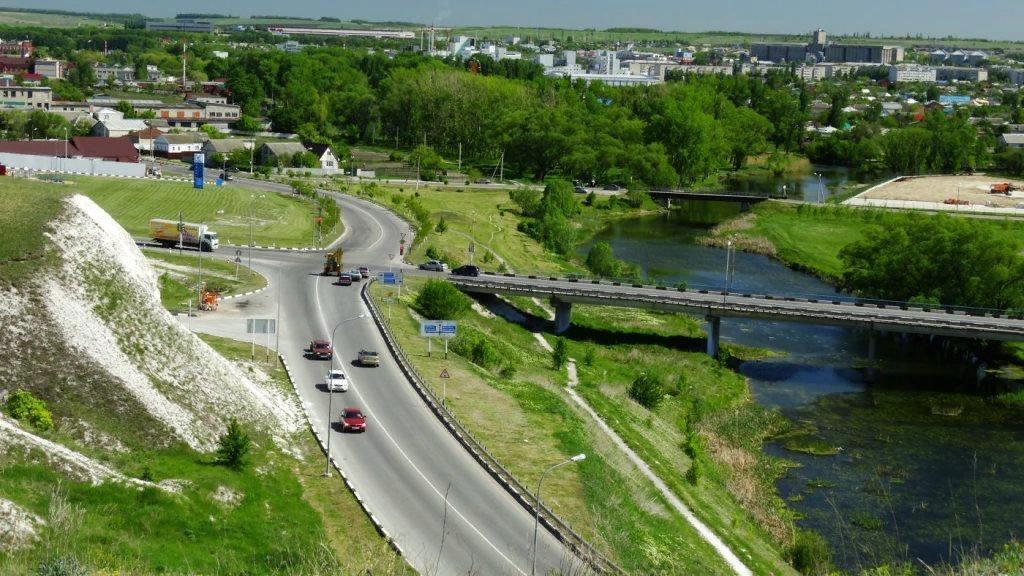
x: 647, y: 390
x: 559, y: 354
x: 233, y: 446
x: 247, y: 124
x: 528, y: 200
x: 212, y: 132
x: 601, y: 260
x: 747, y: 134
x: 425, y: 158
x: 953, y: 261
x: 839, y: 98
x: 440, y: 300
x: 304, y: 160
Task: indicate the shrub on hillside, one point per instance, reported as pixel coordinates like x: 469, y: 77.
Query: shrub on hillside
x: 439, y: 300
x: 23, y: 406
x: 560, y: 354
x: 233, y: 447
x: 647, y: 390
x: 809, y: 554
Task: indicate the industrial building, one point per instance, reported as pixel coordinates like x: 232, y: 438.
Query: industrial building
x: 182, y: 25
x: 820, y: 50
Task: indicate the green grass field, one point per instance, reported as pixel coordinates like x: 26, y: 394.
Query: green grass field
x: 13, y: 18
x: 277, y: 220
x: 811, y: 237
x: 180, y: 272
x: 27, y: 207
x: 487, y: 219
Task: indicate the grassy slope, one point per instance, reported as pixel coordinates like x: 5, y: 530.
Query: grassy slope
x: 811, y: 237
x: 527, y: 423
x: 27, y: 208
x: 488, y: 218
x: 279, y: 220
x: 217, y: 275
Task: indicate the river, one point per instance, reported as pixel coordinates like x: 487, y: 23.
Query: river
x: 908, y: 480
x: 815, y: 187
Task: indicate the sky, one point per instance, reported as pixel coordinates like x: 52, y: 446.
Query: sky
x: 991, y: 19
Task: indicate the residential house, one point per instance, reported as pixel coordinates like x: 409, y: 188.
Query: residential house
x: 19, y: 48
x: 1012, y: 140
x: 144, y: 139
x: 278, y: 153
x: 179, y: 145
x: 224, y: 146
x: 323, y: 152
x: 116, y: 74
x: 53, y: 69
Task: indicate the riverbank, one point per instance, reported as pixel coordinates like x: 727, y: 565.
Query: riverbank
x: 889, y: 469
x: 809, y: 238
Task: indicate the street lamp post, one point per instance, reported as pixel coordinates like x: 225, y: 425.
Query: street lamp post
x: 536, y: 518
x: 821, y: 198
x: 730, y: 267
x: 330, y: 393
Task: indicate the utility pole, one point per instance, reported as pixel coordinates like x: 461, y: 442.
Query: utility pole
x: 460, y: 156
x: 181, y: 232
x: 184, y: 54
x: 501, y: 167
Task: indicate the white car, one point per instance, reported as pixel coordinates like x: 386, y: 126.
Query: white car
x: 336, y: 381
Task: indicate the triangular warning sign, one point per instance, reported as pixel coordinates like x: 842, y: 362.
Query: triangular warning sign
x: 445, y: 374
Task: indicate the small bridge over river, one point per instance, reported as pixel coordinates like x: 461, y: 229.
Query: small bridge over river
x: 713, y: 306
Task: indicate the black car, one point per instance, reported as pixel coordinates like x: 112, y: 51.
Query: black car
x: 467, y: 270
x: 613, y: 187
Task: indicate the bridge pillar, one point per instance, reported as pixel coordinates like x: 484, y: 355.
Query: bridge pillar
x: 714, y: 332
x: 563, y: 315
x: 872, y: 355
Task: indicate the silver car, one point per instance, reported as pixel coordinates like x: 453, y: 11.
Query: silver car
x: 336, y: 381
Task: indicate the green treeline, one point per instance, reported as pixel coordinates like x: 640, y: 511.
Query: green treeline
x: 677, y: 133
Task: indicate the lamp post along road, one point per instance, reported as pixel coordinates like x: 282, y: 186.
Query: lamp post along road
x: 536, y: 518
x: 330, y: 392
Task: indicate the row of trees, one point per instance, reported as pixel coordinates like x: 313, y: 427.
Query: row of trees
x: 678, y: 133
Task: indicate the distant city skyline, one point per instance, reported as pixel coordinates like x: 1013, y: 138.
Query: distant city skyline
x: 989, y: 19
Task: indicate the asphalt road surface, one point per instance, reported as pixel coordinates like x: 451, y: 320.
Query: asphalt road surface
x: 447, y: 515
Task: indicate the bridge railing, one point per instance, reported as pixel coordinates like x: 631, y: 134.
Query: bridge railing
x: 797, y: 296
x: 560, y: 528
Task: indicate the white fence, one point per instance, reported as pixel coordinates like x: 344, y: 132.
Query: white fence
x: 89, y: 166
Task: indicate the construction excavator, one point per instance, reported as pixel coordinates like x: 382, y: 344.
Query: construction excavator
x: 332, y: 262
x: 208, y: 299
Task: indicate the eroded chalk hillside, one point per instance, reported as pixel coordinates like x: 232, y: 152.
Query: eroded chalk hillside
x: 89, y: 330
x: 135, y: 403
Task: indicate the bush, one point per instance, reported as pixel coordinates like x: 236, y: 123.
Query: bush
x: 484, y: 354
x: 439, y: 300
x: 22, y: 405
x: 809, y: 553
x: 433, y: 253
x: 647, y: 390
x: 560, y: 354
x: 233, y: 447
x: 442, y: 226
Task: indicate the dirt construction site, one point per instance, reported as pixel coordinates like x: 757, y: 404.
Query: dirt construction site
x: 945, y: 192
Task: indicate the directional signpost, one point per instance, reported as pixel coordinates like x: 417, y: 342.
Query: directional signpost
x: 392, y: 279
x: 255, y: 326
x: 444, y: 329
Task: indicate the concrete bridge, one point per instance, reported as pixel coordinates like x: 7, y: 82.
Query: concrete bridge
x: 714, y: 306
x: 738, y: 197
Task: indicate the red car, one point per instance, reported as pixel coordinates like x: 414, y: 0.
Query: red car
x: 344, y: 280
x: 353, y: 420
x: 321, y: 349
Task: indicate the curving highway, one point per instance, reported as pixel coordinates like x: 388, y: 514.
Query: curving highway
x: 444, y: 512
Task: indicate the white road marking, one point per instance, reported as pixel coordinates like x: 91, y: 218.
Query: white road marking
x: 380, y: 229
x: 355, y: 389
